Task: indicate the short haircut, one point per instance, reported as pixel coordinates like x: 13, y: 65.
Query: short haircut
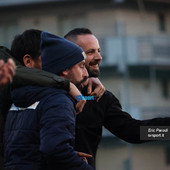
x: 72, y: 35
x: 26, y: 43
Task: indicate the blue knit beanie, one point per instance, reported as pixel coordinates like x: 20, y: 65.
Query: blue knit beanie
x: 58, y: 54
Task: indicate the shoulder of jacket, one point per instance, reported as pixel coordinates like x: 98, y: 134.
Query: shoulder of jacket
x: 109, y: 95
x: 57, y: 96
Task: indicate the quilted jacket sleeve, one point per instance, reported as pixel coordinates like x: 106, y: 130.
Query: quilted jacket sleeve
x: 57, y: 130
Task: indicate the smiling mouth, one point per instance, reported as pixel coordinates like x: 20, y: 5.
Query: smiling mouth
x: 94, y: 65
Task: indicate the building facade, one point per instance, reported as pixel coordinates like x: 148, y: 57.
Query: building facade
x: 135, y: 41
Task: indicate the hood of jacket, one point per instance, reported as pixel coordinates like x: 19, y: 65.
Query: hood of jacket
x: 28, y: 95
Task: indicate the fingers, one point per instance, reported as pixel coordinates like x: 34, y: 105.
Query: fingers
x: 11, y: 65
x: 4, y: 76
x: 11, y: 69
x: 7, y: 71
x: 84, y: 159
x: 98, y: 91
x: 82, y: 154
x: 100, y: 94
x: 11, y: 62
x: 89, y: 87
x: 1, y: 63
x: 98, y: 88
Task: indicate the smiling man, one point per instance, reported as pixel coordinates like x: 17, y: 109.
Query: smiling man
x: 91, y: 46
x: 89, y: 43
x: 108, y: 111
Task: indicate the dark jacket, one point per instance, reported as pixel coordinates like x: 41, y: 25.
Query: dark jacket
x: 108, y: 113
x: 39, y: 132
x: 24, y: 76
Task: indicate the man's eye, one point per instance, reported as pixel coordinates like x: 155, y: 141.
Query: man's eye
x: 82, y: 66
x: 90, y: 52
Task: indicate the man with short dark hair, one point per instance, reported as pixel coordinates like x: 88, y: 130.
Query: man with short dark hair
x: 108, y: 111
x: 39, y: 131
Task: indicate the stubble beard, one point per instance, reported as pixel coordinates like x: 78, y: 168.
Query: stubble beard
x: 79, y: 84
x: 93, y: 73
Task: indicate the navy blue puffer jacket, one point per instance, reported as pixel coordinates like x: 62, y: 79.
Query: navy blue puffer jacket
x: 40, y: 130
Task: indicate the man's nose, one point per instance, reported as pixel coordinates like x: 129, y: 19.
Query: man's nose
x: 98, y: 56
x: 85, y: 73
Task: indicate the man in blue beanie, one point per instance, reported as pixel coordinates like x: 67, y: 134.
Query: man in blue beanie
x: 58, y: 56
x: 40, y: 127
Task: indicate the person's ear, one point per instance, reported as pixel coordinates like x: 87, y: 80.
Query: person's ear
x: 65, y: 73
x: 27, y: 60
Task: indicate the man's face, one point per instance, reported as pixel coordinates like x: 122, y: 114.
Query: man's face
x: 78, y: 75
x: 90, y: 45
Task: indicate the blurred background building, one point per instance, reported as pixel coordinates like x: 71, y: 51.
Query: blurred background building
x: 134, y: 36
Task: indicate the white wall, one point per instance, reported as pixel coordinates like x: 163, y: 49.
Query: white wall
x: 104, y: 22
x: 46, y: 23
x: 142, y: 93
x: 143, y: 157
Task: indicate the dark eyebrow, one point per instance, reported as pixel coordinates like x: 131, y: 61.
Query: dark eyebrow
x: 90, y: 50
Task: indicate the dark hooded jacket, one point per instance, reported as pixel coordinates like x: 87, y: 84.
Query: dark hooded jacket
x: 24, y: 76
x: 39, y: 131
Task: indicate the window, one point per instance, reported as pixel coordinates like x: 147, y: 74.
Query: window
x: 68, y: 23
x: 165, y: 91
x: 162, y: 23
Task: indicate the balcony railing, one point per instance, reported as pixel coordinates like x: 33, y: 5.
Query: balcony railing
x: 136, y: 50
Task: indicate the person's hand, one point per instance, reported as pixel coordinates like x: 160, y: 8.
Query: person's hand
x: 79, y: 106
x: 94, y: 83
x: 84, y: 156
x: 7, y: 71
x: 74, y: 92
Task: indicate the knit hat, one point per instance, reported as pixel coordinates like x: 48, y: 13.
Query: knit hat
x: 59, y: 54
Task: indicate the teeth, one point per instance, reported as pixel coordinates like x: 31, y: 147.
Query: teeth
x: 95, y: 65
